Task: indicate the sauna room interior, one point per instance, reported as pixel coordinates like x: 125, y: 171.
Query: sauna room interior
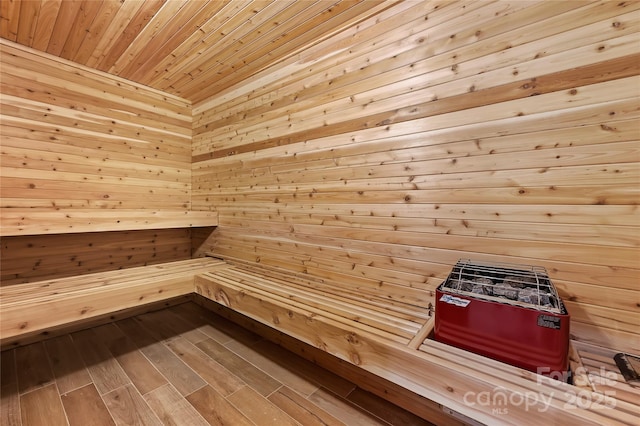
x: 252, y: 212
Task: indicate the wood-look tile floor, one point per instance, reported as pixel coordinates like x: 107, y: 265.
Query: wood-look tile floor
x: 183, y: 365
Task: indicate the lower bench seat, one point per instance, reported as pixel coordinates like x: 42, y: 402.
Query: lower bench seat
x: 33, y: 309
x: 389, y: 338
x: 603, y: 375
x: 384, y: 334
x: 339, y: 307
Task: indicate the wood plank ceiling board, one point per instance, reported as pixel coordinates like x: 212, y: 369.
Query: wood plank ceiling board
x: 192, y: 49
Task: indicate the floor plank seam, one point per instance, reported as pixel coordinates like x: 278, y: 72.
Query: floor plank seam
x: 274, y: 391
x: 291, y: 388
x: 61, y: 403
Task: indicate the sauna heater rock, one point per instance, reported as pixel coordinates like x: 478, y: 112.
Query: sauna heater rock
x: 511, y: 313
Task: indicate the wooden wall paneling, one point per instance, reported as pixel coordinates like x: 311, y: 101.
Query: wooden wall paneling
x: 321, y: 116
x: 576, y: 234
x: 400, y: 146
x: 307, y: 82
x: 620, y: 172
x: 603, y: 317
x: 601, y: 275
x: 93, y: 151
x: 621, y: 215
x: 311, y: 89
x: 598, y: 336
x: 618, y: 297
x: 95, y: 84
x: 520, y: 180
x: 51, y: 166
x: 426, y: 262
x: 630, y: 62
x: 201, y: 240
x: 105, y: 159
x: 572, y: 195
x: 444, y: 179
x: 88, y: 123
x: 515, y: 54
x: 461, y: 225
x: 400, y: 139
x: 33, y: 258
x: 407, y: 271
x: 80, y: 203
x: 67, y: 96
x: 622, y: 301
x: 78, y: 139
x: 67, y: 157
x: 65, y: 266
x: 98, y: 200
x: 129, y: 185
x: 617, y: 310
x: 391, y: 173
x: 625, y: 109
x: 413, y: 16
x: 502, y: 140
x: 23, y: 86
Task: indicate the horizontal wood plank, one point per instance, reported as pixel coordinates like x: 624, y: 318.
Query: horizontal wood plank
x: 401, y: 363
x: 63, y: 221
x: 34, y: 308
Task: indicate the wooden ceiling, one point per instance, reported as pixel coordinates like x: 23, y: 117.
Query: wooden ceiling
x: 190, y: 48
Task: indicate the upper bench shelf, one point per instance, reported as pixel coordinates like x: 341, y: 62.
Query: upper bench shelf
x: 17, y: 221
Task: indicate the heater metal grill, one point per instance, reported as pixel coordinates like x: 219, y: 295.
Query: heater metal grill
x: 520, y: 285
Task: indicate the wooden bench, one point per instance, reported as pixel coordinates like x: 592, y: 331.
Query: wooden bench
x: 30, y: 310
x: 602, y: 375
x: 355, y: 309
x: 17, y: 221
x: 389, y: 337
